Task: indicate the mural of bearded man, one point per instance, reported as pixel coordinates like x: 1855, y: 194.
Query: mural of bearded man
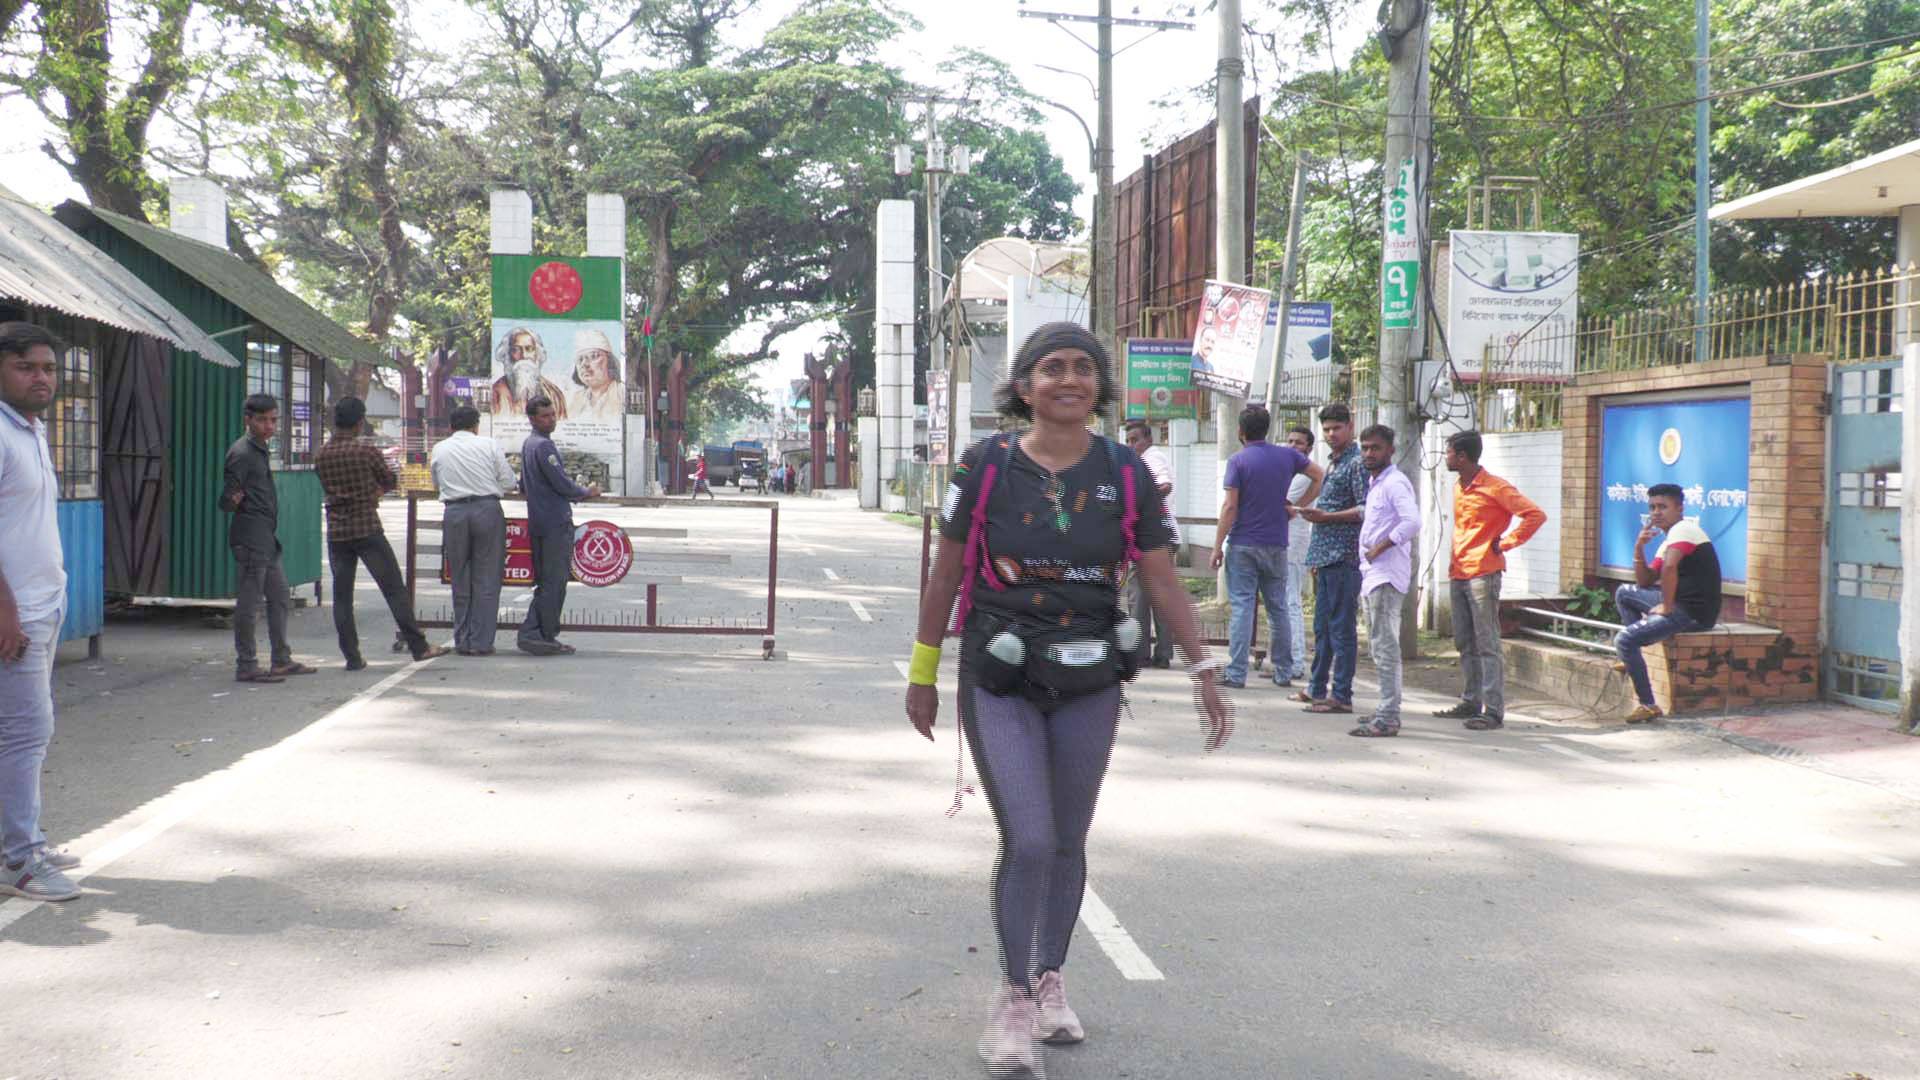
x: 521, y: 355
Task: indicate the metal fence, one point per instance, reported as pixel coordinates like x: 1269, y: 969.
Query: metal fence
x: 1846, y: 317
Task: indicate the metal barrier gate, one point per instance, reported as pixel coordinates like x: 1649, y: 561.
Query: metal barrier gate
x: 648, y: 621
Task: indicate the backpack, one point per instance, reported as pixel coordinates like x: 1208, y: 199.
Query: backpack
x: 976, y: 565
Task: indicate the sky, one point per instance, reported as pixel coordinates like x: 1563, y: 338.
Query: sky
x: 1148, y: 67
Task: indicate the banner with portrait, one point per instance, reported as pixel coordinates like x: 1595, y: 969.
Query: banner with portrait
x: 558, y: 334
x: 1236, y: 327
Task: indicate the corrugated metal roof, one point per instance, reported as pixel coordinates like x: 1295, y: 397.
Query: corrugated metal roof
x: 46, y: 264
x: 243, y: 286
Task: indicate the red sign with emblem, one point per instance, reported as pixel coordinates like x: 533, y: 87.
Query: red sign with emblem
x: 602, y: 554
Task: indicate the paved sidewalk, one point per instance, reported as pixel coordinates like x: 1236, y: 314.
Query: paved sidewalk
x: 1840, y: 740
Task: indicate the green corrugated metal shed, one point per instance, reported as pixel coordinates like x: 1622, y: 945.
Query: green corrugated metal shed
x: 223, y: 295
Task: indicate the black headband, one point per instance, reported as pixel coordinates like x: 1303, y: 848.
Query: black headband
x: 1054, y: 336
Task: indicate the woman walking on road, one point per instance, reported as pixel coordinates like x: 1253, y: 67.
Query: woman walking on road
x: 1037, y: 528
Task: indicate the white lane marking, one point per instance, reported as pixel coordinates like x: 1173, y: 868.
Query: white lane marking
x: 1830, y: 935
x: 831, y: 576
x: 1115, y: 940
x: 1883, y: 860
x: 1572, y: 753
x: 901, y: 667
x: 860, y: 609
x: 120, y: 838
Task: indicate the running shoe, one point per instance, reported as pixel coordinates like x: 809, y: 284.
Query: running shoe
x: 59, y: 858
x: 1008, y: 1046
x: 1645, y: 714
x: 37, y: 879
x: 1058, y: 1024
x: 1465, y: 710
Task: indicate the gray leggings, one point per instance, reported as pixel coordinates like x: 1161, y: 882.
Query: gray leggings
x: 1042, y: 773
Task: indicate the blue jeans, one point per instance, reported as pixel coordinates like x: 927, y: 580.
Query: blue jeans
x: 1254, y: 572
x: 1336, y: 607
x: 1296, y: 584
x: 26, y: 726
x: 1636, y: 603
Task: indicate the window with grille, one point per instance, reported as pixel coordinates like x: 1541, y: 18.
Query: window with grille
x: 75, y: 432
x: 1876, y: 489
x: 267, y: 374
x: 302, y: 427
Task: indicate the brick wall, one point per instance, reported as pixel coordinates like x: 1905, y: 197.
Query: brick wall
x: 1786, y: 523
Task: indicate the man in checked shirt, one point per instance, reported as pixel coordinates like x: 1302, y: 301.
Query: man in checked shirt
x: 354, y: 475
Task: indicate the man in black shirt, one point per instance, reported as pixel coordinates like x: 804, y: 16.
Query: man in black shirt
x: 249, y: 496
x: 1677, y: 593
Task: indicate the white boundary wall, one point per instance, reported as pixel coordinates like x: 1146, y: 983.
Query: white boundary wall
x: 1531, y: 461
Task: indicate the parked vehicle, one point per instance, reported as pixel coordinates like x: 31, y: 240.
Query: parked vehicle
x: 720, y: 464
x: 750, y: 467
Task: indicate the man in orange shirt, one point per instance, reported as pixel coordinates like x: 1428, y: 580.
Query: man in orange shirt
x: 1483, y: 507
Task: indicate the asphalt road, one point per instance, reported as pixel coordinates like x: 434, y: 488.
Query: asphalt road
x: 665, y: 857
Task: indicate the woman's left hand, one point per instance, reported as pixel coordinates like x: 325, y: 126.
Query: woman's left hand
x: 1216, y: 713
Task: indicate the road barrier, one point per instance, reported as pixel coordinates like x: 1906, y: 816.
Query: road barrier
x: 606, y: 556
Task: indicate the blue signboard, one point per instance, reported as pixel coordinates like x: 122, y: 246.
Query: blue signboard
x: 1699, y: 445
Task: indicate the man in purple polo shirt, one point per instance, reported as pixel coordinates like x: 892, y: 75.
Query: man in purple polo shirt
x: 1391, y: 520
x: 1252, y: 541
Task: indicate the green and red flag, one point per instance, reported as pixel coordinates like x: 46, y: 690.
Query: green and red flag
x: 574, y: 288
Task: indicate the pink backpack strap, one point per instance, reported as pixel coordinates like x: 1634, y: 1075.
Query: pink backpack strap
x: 1130, y: 512
x: 975, y: 563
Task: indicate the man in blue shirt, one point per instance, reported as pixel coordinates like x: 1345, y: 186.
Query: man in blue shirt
x: 1334, y: 558
x: 550, y: 494
x: 1251, y: 539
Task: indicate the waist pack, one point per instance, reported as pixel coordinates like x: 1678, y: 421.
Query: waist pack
x: 1058, y: 662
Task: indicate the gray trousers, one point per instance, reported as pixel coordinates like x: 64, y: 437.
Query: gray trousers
x: 1476, y: 633
x: 474, y: 535
x: 260, y: 577
x: 1155, y: 643
x: 1383, y: 637
x: 552, y: 569
x: 26, y: 726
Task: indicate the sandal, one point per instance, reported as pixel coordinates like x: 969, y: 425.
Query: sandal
x: 1329, y: 706
x: 291, y: 667
x: 257, y: 675
x: 1374, y: 731
x: 1304, y: 698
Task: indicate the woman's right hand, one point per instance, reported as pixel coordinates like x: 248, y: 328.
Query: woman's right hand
x: 923, y: 704
x: 1216, y: 712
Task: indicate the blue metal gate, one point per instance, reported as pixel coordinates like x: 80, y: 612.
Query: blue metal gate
x: 1865, y: 489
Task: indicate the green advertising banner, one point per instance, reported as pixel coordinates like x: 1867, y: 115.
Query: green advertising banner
x: 1160, y: 380
x: 1400, y: 256
x: 574, y: 288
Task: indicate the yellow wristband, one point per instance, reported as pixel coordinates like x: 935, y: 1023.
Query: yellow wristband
x: 924, y: 668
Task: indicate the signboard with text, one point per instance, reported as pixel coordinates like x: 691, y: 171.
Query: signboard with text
x: 1513, y: 300
x: 1702, y: 446
x: 1160, y: 380
x: 1227, y: 345
x: 939, y: 415
x: 602, y: 555
x: 558, y: 333
x: 1400, y: 254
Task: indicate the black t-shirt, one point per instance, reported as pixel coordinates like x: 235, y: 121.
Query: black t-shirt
x: 1698, y: 590
x: 1055, y: 541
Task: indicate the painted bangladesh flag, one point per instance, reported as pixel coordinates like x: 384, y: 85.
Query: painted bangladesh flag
x: 556, y: 287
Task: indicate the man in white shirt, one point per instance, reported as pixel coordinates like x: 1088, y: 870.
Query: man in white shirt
x: 1156, y: 649
x: 33, y: 601
x: 472, y: 474
x: 1300, y: 439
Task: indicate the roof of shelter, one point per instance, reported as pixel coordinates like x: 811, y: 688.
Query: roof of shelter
x: 1874, y: 186
x: 987, y: 272
x: 46, y: 264
x: 242, y: 285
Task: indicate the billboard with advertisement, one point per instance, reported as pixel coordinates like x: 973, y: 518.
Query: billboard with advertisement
x: 1160, y: 380
x: 1701, y: 445
x: 939, y: 413
x: 1309, y: 336
x: 1235, y: 322
x: 558, y: 333
x: 1514, y: 297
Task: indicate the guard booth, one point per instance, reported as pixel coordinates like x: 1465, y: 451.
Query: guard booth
x: 107, y: 320
x: 174, y: 415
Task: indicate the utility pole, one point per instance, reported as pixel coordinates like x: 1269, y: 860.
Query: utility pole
x: 1289, y: 276
x: 1702, y: 180
x: 943, y: 163
x: 1230, y: 212
x: 1106, y: 235
x: 1409, y: 138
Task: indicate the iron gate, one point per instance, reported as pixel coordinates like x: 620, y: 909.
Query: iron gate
x: 1863, y: 541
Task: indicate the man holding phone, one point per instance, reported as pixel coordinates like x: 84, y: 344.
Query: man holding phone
x: 1483, y: 506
